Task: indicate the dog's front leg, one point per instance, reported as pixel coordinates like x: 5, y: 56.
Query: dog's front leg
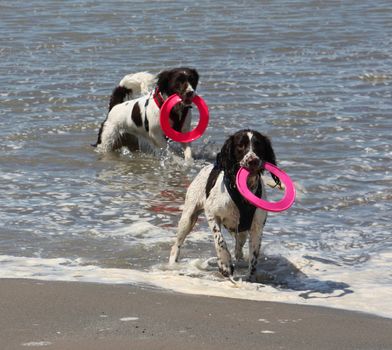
x: 254, y: 251
x: 240, y: 239
x: 186, y: 147
x: 226, y: 267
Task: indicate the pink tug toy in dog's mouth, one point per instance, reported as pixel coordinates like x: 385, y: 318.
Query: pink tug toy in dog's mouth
x: 187, y: 136
x: 285, y: 203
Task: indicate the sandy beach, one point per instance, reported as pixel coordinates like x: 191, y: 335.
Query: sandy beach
x: 72, y: 315
x: 313, y: 76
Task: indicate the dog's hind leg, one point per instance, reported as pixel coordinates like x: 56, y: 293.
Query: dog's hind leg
x: 109, y: 137
x: 130, y: 141
x: 185, y: 225
x: 193, y: 206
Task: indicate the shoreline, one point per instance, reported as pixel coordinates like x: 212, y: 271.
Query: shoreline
x: 85, y: 315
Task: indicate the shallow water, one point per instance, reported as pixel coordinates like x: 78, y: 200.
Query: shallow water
x: 314, y: 76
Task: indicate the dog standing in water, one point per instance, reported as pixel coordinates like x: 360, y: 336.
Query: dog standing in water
x: 130, y: 118
x: 214, y: 191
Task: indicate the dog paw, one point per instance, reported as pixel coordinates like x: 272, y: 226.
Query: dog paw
x: 174, y: 253
x: 251, y: 279
x: 172, y: 260
x: 239, y: 256
x: 226, y: 270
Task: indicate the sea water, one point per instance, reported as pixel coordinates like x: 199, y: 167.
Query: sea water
x: 314, y: 76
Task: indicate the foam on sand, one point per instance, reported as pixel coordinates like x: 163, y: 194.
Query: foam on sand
x: 189, y: 278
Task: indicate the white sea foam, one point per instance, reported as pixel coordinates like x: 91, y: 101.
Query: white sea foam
x: 37, y: 343
x: 127, y: 319
x: 148, y: 234
x: 190, y: 278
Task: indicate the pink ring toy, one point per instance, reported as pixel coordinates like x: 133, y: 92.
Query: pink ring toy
x: 285, y: 203
x: 187, y: 136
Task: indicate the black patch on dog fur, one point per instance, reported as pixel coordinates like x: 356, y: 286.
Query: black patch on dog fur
x: 99, y: 140
x: 246, y: 209
x: 136, y: 115
x: 146, y: 125
x: 211, y: 181
x: 178, y: 116
x: 118, y: 96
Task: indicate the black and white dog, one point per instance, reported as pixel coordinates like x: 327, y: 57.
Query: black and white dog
x: 130, y: 118
x: 214, y: 191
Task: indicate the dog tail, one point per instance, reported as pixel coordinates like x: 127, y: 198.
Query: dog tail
x: 119, y: 95
x: 132, y: 86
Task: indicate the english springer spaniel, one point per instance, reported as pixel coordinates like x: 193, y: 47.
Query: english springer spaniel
x: 130, y: 118
x: 214, y: 190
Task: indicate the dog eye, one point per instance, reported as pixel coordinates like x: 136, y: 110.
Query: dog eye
x: 257, y: 143
x: 192, y: 82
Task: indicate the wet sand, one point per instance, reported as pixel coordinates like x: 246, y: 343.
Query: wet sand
x: 72, y: 315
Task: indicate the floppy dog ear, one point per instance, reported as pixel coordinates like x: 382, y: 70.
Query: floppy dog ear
x: 163, y: 81
x: 269, y: 156
x: 194, y: 77
x: 225, y: 158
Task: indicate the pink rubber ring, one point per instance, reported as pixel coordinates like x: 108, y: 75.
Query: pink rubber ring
x: 285, y: 203
x: 187, y: 136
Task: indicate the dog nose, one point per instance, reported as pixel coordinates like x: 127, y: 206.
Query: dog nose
x: 254, y: 162
x: 189, y: 94
x: 251, y: 161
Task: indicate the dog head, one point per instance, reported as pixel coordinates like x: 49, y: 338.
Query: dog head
x: 246, y: 148
x: 181, y: 81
